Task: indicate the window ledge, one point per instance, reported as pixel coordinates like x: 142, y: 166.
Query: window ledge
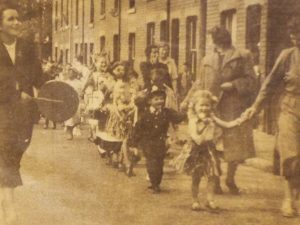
x: 131, y: 11
x: 91, y: 25
x: 76, y: 27
x: 102, y: 17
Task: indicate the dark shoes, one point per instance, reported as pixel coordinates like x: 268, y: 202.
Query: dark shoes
x: 155, y: 189
x: 233, y: 189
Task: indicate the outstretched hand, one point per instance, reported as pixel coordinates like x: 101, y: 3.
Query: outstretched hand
x: 249, y: 113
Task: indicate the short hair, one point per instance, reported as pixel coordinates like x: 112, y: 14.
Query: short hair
x: 149, y: 49
x: 221, y: 36
x: 294, y: 24
x: 5, y: 6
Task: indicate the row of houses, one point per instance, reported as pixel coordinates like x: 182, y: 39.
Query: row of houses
x: 123, y: 28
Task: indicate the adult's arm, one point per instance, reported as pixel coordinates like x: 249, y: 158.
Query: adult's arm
x: 274, y: 78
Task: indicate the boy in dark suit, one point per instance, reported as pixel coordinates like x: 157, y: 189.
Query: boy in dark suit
x: 150, y: 134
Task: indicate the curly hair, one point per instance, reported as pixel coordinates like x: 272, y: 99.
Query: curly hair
x: 202, y: 94
x: 221, y: 36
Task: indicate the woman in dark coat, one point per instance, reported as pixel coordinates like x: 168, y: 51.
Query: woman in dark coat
x: 286, y: 72
x: 20, y: 70
x: 228, y: 73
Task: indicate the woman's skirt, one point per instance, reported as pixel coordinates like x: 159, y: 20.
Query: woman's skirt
x: 288, y: 138
x: 16, y: 125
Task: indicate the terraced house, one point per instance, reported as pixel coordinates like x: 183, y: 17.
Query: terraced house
x: 125, y: 27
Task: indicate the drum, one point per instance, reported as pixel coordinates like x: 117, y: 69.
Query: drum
x: 108, y: 142
x: 57, y: 101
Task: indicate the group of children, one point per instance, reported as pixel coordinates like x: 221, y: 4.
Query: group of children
x: 126, y: 119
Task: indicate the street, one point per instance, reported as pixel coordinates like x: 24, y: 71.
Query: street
x: 66, y: 182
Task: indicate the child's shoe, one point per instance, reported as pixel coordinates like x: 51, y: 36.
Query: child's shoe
x: 196, y: 206
x: 212, y: 205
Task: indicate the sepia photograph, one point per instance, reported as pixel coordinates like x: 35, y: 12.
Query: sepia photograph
x: 149, y: 112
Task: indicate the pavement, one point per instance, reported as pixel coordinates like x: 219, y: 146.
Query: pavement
x: 66, y: 182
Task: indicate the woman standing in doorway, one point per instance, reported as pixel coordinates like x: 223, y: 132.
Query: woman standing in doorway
x: 20, y: 70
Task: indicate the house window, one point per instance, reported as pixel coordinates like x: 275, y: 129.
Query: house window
x: 191, y: 43
x: 117, y: 5
x: 253, y: 31
x: 67, y: 56
x: 175, y: 40
x: 91, y: 53
x: 56, y: 54
x: 116, y: 48
x: 228, y: 20
x: 61, y: 57
x: 131, y: 45
x: 102, y: 7
x: 102, y: 44
x: 67, y: 13
x: 77, y: 13
x: 150, y: 33
x: 62, y: 13
x: 56, y: 16
x: 76, y: 50
x: 85, y: 53
x: 163, y: 31
x: 92, y: 12
x: 131, y: 4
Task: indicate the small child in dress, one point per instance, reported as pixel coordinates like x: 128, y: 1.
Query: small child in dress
x: 205, y: 131
x: 150, y: 134
x: 121, y: 118
x: 78, y: 86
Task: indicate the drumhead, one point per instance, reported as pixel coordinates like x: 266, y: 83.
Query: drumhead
x: 66, y: 101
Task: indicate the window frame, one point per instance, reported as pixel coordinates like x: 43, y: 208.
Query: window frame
x: 191, y: 43
x: 92, y: 11
x: 150, y: 35
x: 102, y: 8
x: 131, y: 47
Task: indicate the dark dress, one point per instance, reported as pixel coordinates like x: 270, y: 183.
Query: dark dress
x: 150, y: 134
x: 16, y: 116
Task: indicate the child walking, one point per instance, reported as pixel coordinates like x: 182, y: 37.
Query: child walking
x: 78, y: 86
x: 205, y: 132
x: 150, y: 134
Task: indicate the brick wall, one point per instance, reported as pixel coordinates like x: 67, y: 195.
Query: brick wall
x: 145, y: 11
x: 132, y: 21
x: 216, y: 7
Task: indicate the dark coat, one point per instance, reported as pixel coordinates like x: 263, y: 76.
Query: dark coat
x: 150, y: 131
x: 237, y: 68
x: 16, y: 116
x: 146, y: 68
